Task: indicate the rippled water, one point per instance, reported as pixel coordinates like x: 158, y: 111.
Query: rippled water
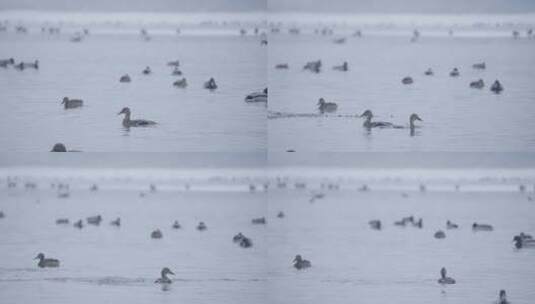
x: 456, y: 117
x: 191, y: 119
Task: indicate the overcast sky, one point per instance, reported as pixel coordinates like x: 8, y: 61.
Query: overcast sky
x: 333, y: 6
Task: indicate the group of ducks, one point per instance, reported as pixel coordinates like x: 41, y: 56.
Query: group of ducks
x: 496, y: 87
x: 315, y: 66
x: 4, y: 63
x: 92, y: 220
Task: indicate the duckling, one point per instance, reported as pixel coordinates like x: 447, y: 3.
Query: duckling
x: 344, y: 67
x: 328, y: 107
x: 481, y: 227
x: 125, y: 78
x: 451, y: 225
x: 127, y: 122
x: 260, y: 220
x: 444, y: 279
x: 440, y: 235
x: 164, y: 279
x: 454, y: 72
x: 201, y: 226
x: 147, y: 71
x: 116, y: 222
x: 156, y: 234
x: 181, y: 83
x: 72, y: 103
x: 479, y: 66
x: 299, y: 263
x: 46, y: 262
x: 94, y: 220
x: 210, y: 84
x: 496, y: 87
x: 407, y: 80
x: 429, y: 72
x: 176, y: 225
x: 375, y: 224
x: 479, y: 84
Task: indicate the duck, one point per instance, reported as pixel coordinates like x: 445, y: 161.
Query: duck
x: 481, y: 227
x: 72, y: 103
x: 496, y: 87
x: 282, y: 66
x: 429, y: 72
x: 451, y: 225
x: 62, y: 221
x: 454, y: 72
x: 181, y: 83
x: 176, y: 225
x: 59, y: 147
x: 479, y: 84
x: 43, y: 262
x: 238, y: 237
x: 176, y: 72
x: 94, y: 220
x: 116, y: 222
x: 418, y: 224
x: 313, y: 66
x: 19, y: 66
x: 444, y: 279
x: 440, y: 235
x: 523, y: 242
x: 407, y: 80
x: 156, y: 234
x: 125, y: 78
x: 127, y: 122
x: 257, y: 96
x: 174, y: 63
x: 280, y: 214
x: 375, y: 224
x: 79, y: 224
x: 328, y: 107
x: 163, y: 279
x: 260, y: 220
x: 5, y: 62
x: 299, y: 263
x: 34, y: 65
x: 246, y: 242
x: 479, y: 66
x: 344, y: 67
x: 525, y: 236
x: 375, y: 124
x: 502, y: 298
x: 201, y: 226
x: 210, y: 84
x: 147, y: 71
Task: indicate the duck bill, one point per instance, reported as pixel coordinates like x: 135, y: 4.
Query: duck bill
x: 170, y: 272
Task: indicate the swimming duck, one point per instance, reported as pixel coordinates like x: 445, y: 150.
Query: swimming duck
x: 257, y: 96
x: 156, y: 234
x: 174, y: 63
x: 339, y: 41
x: 418, y: 224
x: 72, y: 103
x: 34, y: 65
x: 375, y: 224
x: 238, y: 237
x: 429, y: 72
x: 451, y: 225
x: 280, y: 214
x: 344, y: 67
x: 454, y: 72
x: 176, y: 72
x: 246, y: 242
x: 477, y: 84
x: 164, y: 279
x: 116, y: 222
x: 496, y: 87
x: 375, y: 124
x: 502, y: 298
x: 523, y: 242
x: 125, y: 78
x: 201, y: 226
x: 260, y: 220
x: 313, y: 66
x: 127, y: 122
x: 282, y: 66
x: 440, y: 235
x: 62, y: 221
x: 210, y: 84
x: 481, y: 227
x: 328, y: 107
x: 407, y: 80
x: 300, y: 263
x: 176, y: 225
x: 94, y: 220
x: 444, y: 279
x: 181, y: 83
x: 5, y: 62
x: 79, y: 224
x: 479, y: 66
x: 46, y: 262
x: 59, y: 147
x: 147, y: 71
x: 19, y: 66
x: 525, y: 236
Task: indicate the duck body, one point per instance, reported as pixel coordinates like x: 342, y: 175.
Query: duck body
x: 300, y: 263
x: 147, y: 71
x: 257, y: 96
x: 280, y: 214
x: 176, y: 225
x: 326, y: 107
x: 174, y: 63
x: 94, y: 220
x: 344, y: 67
x: 523, y: 242
x: 479, y: 84
x: 116, y: 222
x: 282, y: 66
x: 450, y: 225
x: 176, y: 72
x: 44, y: 262
x: 127, y: 122
x: 440, y: 235
x: 454, y: 72
x: 72, y: 103
x: 313, y: 66
x: 429, y: 72
x: 201, y: 226
x: 481, y: 227
x: 246, y: 242
x: 260, y: 220
x: 407, y: 80
x: 238, y: 237
x: 125, y: 78
x: 156, y: 234
x: 375, y: 224
x: 479, y: 66
x: 181, y: 83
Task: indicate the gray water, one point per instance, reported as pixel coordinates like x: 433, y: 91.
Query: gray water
x: 190, y: 119
x: 456, y: 117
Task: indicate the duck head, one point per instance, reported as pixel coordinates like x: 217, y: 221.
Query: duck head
x: 502, y: 294
x: 40, y: 256
x: 166, y: 271
x: 368, y: 114
x: 65, y: 100
x: 443, y: 272
x: 321, y: 102
x: 414, y: 117
x: 125, y: 110
x: 297, y: 259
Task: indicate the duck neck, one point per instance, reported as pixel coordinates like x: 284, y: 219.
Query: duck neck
x: 411, y: 124
x: 126, y: 117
